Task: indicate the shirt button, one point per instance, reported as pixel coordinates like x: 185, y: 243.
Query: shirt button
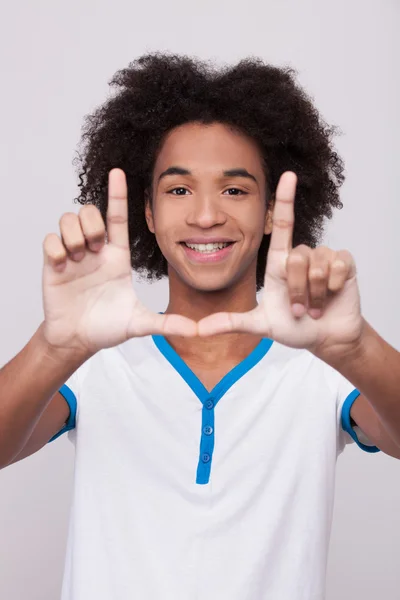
x: 205, y: 458
x: 209, y: 404
x: 208, y: 430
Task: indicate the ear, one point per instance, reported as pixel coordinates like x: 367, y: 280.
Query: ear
x: 148, y: 212
x: 268, y: 216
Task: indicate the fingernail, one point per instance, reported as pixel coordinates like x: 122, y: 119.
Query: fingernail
x: 60, y: 266
x: 95, y: 246
x: 315, y: 313
x: 78, y: 255
x: 298, y: 309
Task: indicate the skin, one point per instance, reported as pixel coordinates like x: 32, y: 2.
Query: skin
x: 310, y: 298
x: 210, y: 205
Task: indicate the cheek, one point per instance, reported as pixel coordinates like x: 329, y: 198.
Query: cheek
x: 166, y: 225
x: 169, y: 218
x: 253, y: 225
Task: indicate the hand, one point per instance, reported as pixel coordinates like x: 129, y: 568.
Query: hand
x: 88, y: 296
x: 316, y: 279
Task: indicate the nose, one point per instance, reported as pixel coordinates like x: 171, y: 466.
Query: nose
x: 205, y: 211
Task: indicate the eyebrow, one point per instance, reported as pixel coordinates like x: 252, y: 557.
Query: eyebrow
x: 238, y: 172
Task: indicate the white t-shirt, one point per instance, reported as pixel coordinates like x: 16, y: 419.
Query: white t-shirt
x: 184, y: 494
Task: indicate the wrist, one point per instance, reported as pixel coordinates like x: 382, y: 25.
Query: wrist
x: 73, y: 355
x: 346, y: 353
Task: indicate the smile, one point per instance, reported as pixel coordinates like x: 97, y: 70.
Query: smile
x: 207, y: 247
x: 213, y: 252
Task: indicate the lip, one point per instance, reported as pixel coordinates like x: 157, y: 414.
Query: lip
x: 204, y: 240
x: 207, y: 257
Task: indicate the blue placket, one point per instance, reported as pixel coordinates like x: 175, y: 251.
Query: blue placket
x: 206, y: 441
x: 208, y: 399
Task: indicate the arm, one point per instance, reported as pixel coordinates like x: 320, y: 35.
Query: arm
x: 362, y: 415
x: 373, y: 367
x: 28, y: 383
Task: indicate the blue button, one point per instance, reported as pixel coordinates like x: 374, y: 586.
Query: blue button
x: 206, y: 458
x: 209, y: 404
x: 208, y: 430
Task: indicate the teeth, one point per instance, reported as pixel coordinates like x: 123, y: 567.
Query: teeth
x: 207, y: 247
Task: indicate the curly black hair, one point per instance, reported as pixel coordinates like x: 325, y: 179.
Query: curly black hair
x: 160, y: 91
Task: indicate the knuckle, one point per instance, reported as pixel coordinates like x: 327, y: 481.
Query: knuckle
x: 323, y: 253
x: 297, y: 258
x: 318, y: 273
x: 68, y: 218
x: 303, y: 248
x: 53, y: 248
x: 76, y: 248
x: 91, y: 214
x: 297, y: 296
x: 321, y: 257
x: 339, y: 265
x: 345, y: 254
x: 74, y: 244
x: 318, y: 297
x: 71, y: 233
x: 282, y: 223
x: 49, y: 239
x: 335, y: 285
x: 317, y: 303
x: 88, y: 208
x: 57, y: 256
x: 92, y: 224
x: 95, y: 237
x: 116, y: 219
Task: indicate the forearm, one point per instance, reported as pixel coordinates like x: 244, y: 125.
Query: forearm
x: 27, y: 384
x: 373, y: 367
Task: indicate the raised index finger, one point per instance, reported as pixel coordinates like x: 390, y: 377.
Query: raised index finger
x: 283, y: 214
x: 117, y: 210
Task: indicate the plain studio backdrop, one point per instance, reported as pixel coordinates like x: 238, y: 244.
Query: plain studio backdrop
x: 56, y: 60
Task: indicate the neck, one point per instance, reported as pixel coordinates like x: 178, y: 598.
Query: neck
x: 197, y: 304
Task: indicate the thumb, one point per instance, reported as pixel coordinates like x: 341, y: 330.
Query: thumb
x: 145, y: 322
x: 225, y: 322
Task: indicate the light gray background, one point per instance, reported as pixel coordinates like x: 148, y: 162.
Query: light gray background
x: 56, y: 59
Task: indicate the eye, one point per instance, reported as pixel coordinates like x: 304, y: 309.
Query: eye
x: 236, y: 191
x: 178, y: 188
x: 241, y: 192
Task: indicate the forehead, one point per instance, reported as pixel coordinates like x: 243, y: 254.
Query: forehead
x: 212, y: 148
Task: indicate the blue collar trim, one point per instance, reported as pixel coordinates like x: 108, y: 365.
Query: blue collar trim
x: 226, y: 382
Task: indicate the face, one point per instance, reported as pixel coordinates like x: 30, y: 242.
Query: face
x: 209, y: 205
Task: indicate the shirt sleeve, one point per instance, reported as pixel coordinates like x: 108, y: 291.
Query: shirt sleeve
x: 348, y: 431
x: 71, y: 392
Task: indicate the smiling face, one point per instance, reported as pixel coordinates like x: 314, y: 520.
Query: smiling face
x: 209, y: 188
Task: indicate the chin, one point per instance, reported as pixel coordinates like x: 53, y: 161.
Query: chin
x: 211, y: 284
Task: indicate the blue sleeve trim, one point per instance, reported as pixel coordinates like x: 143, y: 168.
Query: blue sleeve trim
x: 72, y: 403
x: 346, y: 425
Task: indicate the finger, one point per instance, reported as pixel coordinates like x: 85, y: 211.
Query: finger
x: 342, y: 268
x: 54, y: 252
x: 146, y: 322
x: 283, y: 214
x: 318, y: 277
x: 93, y: 227
x: 297, y: 267
x: 72, y: 236
x: 175, y: 325
x: 216, y: 323
x: 117, y: 211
